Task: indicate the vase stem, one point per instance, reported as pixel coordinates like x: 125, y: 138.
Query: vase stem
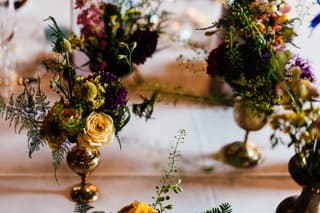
x: 84, y: 179
x: 246, y: 138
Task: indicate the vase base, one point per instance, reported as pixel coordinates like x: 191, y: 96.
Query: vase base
x: 287, y: 205
x: 86, y: 193
x: 239, y: 155
x: 307, y: 202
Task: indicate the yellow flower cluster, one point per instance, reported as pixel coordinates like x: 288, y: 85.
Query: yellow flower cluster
x: 92, y: 92
x: 137, y: 207
x: 300, y: 120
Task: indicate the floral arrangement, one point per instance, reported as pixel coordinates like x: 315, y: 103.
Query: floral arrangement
x: 92, y: 107
x: 252, y: 57
x: 106, y: 26
x: 169, y: 183
x: 298, y: 124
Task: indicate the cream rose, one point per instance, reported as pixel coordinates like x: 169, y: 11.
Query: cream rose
x: 98, y: 131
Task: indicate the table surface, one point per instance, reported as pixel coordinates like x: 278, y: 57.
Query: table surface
x: 132, y: 173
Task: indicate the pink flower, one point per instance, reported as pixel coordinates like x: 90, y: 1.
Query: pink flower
x: 277, y: 28
x: 284, y: 8
x: 92, y: 21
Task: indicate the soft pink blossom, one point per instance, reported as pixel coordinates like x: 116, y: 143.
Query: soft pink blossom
x: 91, y: 21
x: 277, y: 28
x: 284, y: 8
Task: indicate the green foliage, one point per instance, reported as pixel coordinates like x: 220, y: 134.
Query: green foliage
x: 28, y: 111
x: 145, y: 109
x: 223, y: 208
x: 258, y: 92
x: 57, y: 36
x: 168, y: 182
x: 82, y: 207
x: 58, y: 156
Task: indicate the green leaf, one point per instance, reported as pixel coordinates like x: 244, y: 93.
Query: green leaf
x: 223, y: 208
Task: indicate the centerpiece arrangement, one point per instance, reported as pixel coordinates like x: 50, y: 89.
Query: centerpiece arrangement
x: 298, y: 126
x: 92, y: 107
x: 252, y: 59
x: 105, y: 25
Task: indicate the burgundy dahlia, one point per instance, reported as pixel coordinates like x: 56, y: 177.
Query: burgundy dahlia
x: 146, y: 44
x: 218, y: 63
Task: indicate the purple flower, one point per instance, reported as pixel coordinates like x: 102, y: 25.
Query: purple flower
x: 266, y: 56
x: 116, y: 94
x: 303, y: 64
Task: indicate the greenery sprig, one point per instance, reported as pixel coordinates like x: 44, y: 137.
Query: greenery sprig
x: 27, y: 111
x: 168, y: 181
x: 223, y: 208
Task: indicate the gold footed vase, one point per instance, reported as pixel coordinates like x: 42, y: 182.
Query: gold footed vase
x: 83, y: 161
x: 242, y: 154
x: 309, y: 199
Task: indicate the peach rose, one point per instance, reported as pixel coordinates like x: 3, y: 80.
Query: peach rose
x: 98, y: 131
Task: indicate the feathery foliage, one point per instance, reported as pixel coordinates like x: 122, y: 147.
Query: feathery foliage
x: 28, y: 111
x: 84, y: 208
x: 223, y: 208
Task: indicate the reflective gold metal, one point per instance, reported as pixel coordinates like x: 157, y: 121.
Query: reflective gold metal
x: 242, y: 154
x: 83, y: 161
x: 308, y: 201
x: 246, y: 118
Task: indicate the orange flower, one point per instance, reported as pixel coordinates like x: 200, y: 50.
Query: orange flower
x: 137, y: 207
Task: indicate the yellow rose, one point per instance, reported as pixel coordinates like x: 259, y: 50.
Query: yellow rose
x: 98, y: 131
x: 137, y: 207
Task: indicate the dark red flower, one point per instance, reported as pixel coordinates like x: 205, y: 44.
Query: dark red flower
x: 146, y: 44
x: 218, y: 63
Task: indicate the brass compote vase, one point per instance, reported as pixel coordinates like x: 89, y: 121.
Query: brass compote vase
x: 242, y: 154
x: 84, y: 157
x: 309, y: 199
x: 83, y: 161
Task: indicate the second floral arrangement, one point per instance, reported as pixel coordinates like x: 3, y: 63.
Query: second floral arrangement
x: 92, y: 107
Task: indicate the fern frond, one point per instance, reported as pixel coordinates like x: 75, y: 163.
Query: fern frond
x: 27, y: 111
x: 82, y: 207
x: 223, y: 208
x: 58, y: 156
x: 34, y: 141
